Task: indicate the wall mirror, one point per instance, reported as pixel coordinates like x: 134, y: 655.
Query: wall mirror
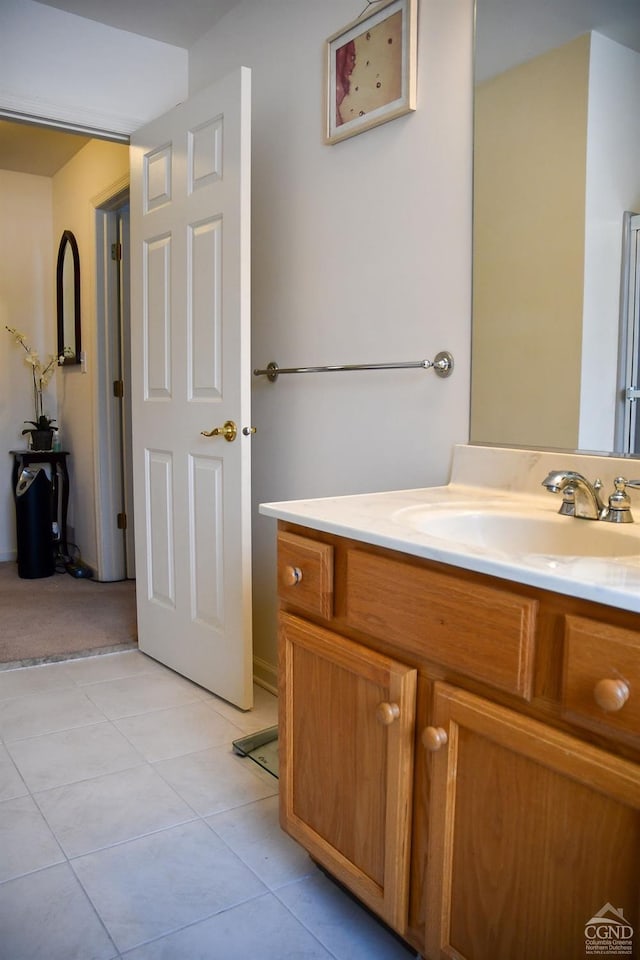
x: 556, y: 147
x: 68, y: 299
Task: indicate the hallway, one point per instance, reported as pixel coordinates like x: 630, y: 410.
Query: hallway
x: 58, y: 616
x: 128, y: 828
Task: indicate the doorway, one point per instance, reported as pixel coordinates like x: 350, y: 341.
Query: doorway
x: 79, y: 615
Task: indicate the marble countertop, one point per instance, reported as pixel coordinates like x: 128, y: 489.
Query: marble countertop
x: 383, y: 519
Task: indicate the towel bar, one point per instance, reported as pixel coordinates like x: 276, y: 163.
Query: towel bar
x: 442, y: 364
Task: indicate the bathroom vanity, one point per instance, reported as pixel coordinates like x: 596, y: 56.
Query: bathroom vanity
x: 460, y: 726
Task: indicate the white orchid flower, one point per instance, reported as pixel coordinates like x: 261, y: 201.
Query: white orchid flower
x: 41, y: 375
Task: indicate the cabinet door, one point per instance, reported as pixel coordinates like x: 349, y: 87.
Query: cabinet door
x: 532, y: 834
x: 346, y: 761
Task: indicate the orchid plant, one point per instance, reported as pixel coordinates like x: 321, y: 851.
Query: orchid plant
x: 42, y: 373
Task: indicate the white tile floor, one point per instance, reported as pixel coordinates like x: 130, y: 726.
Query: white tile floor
x: 129, y: 828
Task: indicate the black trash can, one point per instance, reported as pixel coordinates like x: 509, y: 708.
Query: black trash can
x: 36, y: 556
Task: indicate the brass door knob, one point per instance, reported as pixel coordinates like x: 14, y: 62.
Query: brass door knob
x: 433, y: 738
x: 610, y: 694
x: 228, y: 430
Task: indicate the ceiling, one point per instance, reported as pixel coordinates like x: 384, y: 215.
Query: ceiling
x: 25, y: 148
x: 509, y: 32
x: 179, y: 22
x: 512, y: 30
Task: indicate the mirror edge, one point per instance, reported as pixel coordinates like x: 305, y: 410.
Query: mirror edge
x: 68, y: 238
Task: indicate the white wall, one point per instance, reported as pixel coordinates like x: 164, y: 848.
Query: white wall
x: 27, y: 302
x: 613, y: 186
x: 60, y: 66
x: 361, y: 253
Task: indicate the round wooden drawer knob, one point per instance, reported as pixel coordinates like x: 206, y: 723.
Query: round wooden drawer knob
x: 291, y: 576
x: 611, y: 695
x: 386, y: 713
x: 433, y: 738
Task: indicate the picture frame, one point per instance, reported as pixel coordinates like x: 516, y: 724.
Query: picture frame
x: 371, y: 69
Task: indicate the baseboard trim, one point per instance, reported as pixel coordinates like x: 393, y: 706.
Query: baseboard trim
x: 265, y: 675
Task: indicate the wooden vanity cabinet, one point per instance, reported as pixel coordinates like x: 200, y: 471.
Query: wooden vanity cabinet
x: 346, y: 761
x: 531, y: 833
x: 444, y: 753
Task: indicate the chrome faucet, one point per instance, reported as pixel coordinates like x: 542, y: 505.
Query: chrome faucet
x: 580, y: 498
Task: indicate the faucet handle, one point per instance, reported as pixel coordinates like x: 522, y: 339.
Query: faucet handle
x: 619, y: 503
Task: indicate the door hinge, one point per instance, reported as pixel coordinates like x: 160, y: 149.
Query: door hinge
x: 116, y: 251
x: 118, y: 389
x: 122, y: 521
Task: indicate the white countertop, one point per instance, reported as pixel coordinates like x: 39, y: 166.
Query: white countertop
x: 382, y: 519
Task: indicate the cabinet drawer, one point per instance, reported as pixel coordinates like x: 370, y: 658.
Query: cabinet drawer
x: 305, y: 574
x: 601, y: 678
x: 480, y: 631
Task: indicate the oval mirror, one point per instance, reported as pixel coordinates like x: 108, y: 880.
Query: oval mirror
x: 68, y: 298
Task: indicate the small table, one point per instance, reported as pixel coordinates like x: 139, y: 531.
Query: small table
x: 57, y: 460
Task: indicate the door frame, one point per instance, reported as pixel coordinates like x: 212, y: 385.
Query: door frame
x: 628, y: 338
x: 113, y: 469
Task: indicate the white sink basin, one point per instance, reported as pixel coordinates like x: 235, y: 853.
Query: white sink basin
x: 513, y: 532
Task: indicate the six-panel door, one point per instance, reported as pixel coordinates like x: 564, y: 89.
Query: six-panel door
x: 190, y: 320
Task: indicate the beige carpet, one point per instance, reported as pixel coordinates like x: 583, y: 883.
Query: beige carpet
x: 56, y: 617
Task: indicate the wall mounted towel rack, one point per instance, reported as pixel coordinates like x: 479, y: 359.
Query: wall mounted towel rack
x: 442, y: 364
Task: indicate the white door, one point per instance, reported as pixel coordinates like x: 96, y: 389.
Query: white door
x: 190, y: 320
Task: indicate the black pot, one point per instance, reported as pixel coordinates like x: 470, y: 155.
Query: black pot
x: 41, y: 439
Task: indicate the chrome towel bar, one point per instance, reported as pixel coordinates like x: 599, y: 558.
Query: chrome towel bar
x: 442, y: 364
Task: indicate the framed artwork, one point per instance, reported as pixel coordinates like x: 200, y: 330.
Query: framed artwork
x: 371, y: 69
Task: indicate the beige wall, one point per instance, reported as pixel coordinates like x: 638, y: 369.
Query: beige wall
x: 27, y: 269
x: 529, y: 229
x: 98, y: 170
x: 35, y: 212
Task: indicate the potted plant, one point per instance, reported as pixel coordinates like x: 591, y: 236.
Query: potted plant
x: 41, y: 428
x: 41, y: 433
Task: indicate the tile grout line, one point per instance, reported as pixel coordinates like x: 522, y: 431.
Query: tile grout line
x: 150, y: 764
